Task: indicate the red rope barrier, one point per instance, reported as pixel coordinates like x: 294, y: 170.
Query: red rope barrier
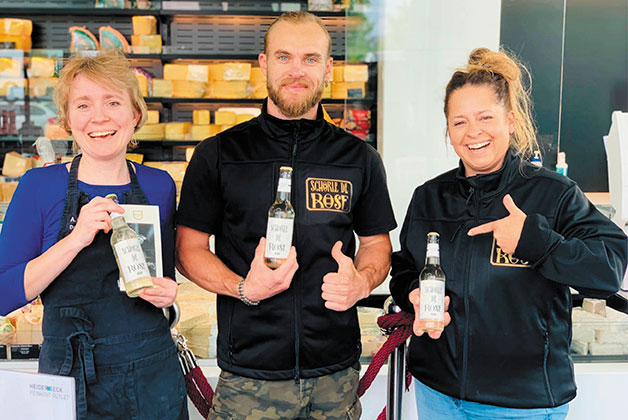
x: 200, y: 391
x: 401, y: 323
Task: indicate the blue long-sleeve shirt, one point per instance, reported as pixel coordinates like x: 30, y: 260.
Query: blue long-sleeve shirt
x: 33, y: 221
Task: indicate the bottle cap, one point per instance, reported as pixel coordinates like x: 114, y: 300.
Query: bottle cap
x: 285, y: 168
x: 433, y: 234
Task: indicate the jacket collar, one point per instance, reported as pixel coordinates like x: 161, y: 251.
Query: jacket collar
x: 285, y: 130
x: 492, y: 184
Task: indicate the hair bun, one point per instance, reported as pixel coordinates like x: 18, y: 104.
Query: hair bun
x: 496, y: 62
x: 478, y: 56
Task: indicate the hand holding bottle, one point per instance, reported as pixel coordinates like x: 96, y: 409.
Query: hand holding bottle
x: 94, y: 217
x: 162, y: 294
x: 506, y: 231
x: 342, y: 289
x: 263, y: 282
x: 415, y: 300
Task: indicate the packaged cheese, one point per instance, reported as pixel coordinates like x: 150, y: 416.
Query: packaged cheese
x: 146, y: 44
x: 175, y: 71
x: 15, y: 165
x: 11, y: 26
x: 198, y: 72
x: 227, y: 89
x: 41, y: 86
x: 144, y: 25
x: 351, y: 73
x: 344, y: 90
x: 224, y: 117
x: 200, y: 132
x: 42, y: 67
x: 152, y: 117
x: 200, y: 117
x: 10, y: 68
x: 161, y: 88
x: 230, y: 71
x: 150, y: 132
x: 17, y: 42
x: 187, y: 89
x: 177, y: 130
x: 143, y: 82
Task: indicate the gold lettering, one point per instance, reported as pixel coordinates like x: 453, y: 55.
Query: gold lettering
x: 317, y: 200
x: 328, y: 201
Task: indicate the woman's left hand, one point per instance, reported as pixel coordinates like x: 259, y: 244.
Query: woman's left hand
x: 506, y: 231
x: 163, y: 294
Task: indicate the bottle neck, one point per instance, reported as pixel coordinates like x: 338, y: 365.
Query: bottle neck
x: 432, y: 260
x: 117, y: 221
x: 284, y: 187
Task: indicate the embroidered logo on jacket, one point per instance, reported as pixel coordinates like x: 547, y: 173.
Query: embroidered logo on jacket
x: 328, y: 195
x: 499, y: 257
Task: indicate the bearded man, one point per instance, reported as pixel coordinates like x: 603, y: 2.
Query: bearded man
x: 289, y: 339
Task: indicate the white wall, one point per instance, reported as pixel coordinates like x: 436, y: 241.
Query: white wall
x: 424, y: 41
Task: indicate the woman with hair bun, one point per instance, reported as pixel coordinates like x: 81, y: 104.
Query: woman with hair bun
x: 514, y: 238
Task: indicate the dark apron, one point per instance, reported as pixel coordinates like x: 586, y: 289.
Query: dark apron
x: 118, y: 349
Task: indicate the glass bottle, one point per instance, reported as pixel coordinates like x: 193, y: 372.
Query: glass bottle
x: 432, y: 284
x: 280, y: 222
x: 129, y: 255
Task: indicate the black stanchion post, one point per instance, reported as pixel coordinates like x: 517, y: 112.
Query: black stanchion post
x: 396, y: 372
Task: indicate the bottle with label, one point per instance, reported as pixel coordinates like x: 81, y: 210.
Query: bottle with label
x: 280, y: 222
x: 129, y: 255
x: 536, y: 159
x: 561, y: 164
x: 432, y: 285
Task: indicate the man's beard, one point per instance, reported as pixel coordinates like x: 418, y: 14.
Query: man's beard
x: 290, y: 109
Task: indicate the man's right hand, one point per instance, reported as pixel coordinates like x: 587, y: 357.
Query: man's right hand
x: 263, y: 282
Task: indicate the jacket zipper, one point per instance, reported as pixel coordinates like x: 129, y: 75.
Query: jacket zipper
x: 545, y: 373
x: 296, y: 295
x: 463, y: 383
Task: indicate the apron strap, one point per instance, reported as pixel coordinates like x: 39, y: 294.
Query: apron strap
x: 85, y: 345
x: 136, y: 194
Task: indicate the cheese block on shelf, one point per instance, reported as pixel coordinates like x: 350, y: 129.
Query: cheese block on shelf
x: 351, y: 73
x: 146, y: 44
x: 152, y: 116
x: 197, y: 72
x: 227, y: 89
x: 150, y: 132
x: 175, y: 71
x: 224, y: 117
x: 41, y: 86
x: 15, y: 165
x: 161, y: 88
x: 12, y: 26
x: 257, y: 75
x: 177, y: 130
x: 230, y: 71
x: 240, y: 118
x: 8, y: 188
x: 144, y: 25
x: 55, y: 132
x: 200, y: 117
x: 10, y: 67
x: 345, y: 90
x: 143, y: 82
x: 42, y: 67
x: 187, y: 89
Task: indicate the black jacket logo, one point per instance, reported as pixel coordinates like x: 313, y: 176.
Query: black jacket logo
x: 499, y: 257
x: 328, y: 195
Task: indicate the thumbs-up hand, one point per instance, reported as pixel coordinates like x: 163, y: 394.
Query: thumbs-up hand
x: 506, y: 231
x: 342, y: 289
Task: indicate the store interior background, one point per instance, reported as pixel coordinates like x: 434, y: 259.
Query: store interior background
x: 584, y: 42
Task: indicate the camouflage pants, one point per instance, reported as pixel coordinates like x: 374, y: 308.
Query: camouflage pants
x: 328, y: 397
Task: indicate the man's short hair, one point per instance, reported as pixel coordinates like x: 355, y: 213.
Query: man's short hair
x: 298, y: 17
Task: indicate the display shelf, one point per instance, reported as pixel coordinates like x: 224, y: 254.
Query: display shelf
x: 154, y: 99
x: 213, y: 12
x: 27, y: 11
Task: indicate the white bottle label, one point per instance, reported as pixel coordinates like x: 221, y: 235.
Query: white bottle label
x: 131, y: 259
x: 432, y: 250
x: 432, y: 299
x: 278, y: 237
x: 284, y: 185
